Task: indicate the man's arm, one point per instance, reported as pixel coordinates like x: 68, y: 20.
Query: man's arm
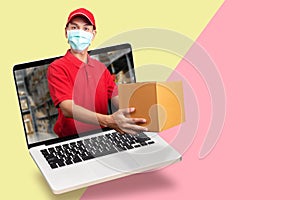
x: 115, y: 101
x: 117, y: 120
x: 71, y: 110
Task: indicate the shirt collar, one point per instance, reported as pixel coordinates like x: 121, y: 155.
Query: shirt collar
x: 78, y: 63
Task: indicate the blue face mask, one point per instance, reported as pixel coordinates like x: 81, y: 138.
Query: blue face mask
x: 79, y: 40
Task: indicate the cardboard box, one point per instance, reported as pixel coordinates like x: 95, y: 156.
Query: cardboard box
x: 160, y: 103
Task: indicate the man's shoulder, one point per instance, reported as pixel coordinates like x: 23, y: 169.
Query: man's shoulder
x: 59, y: 62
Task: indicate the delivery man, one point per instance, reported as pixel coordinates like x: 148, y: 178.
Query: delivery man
x: 81, y: 86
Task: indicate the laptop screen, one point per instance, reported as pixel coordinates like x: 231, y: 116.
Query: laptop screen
x: 37, y: 109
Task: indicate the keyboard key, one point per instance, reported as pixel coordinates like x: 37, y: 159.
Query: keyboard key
x: 53, y: 165
x: 73, y: 144
x: 51, y: 150
x: 142, y: 139
x: 52, y: 159
x: 45, y: 152
x: 87, y: 157
x: 60, y: 163
x: 58, y: 148
x: 69, y: 162
x: 120, y: 147
x: 151, y: 142
x: 143, y: 143
x: 77, y: 159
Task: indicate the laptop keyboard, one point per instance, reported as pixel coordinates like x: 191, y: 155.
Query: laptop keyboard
x: 86, y: 149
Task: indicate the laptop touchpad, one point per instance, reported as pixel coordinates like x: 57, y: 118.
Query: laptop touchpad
x: 122, y: 162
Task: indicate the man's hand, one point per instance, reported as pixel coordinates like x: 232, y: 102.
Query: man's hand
x: 123, y: 124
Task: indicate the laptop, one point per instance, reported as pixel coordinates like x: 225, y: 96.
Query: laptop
x: 87, y: 158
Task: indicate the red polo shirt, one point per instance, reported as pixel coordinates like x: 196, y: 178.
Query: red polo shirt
x: 88, y: 85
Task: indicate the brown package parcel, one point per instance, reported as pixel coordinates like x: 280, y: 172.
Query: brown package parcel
x: 160, y: 103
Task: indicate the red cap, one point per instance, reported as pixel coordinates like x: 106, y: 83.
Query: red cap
x: 82, y: 12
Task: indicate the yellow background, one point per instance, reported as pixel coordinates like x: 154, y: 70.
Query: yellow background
x: 32, y: 30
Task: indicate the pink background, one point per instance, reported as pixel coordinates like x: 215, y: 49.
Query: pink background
x: 255, y: 45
